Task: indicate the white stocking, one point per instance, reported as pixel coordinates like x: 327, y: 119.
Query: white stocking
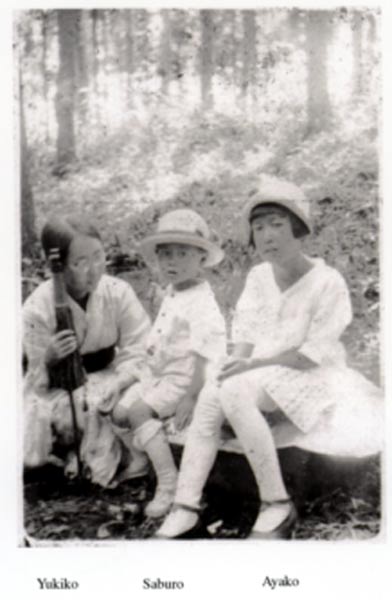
x: 240, y: 405
x: 201, y: 448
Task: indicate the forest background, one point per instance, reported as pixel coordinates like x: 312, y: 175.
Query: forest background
x: 127, y: 113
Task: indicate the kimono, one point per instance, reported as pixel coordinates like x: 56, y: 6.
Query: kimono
x: 111, y: 334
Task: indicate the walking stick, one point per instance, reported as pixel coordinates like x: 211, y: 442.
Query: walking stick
x: 68, y: 374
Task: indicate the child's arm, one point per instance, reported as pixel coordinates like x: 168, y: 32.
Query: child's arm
x: 184, y: 411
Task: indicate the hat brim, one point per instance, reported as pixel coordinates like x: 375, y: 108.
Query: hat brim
x: 288, y: 204
x: 147, y: 247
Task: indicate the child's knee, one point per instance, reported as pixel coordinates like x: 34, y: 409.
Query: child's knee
x: 234, y: 395
x: 139, y: 413
x: 120, y: 416
x: 208, y: 416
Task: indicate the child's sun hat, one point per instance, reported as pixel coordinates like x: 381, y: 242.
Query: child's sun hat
x: 183, y: 226
x: 283, y: 193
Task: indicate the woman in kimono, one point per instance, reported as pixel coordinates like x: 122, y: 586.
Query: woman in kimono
x: 288, y: 362
x: 110, y: 330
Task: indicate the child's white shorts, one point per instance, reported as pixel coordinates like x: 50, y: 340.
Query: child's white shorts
x: 161, y: 395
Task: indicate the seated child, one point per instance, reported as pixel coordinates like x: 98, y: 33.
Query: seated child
x: 187, y: 338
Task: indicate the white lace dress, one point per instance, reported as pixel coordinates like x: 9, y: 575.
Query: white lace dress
x: 330, y: 408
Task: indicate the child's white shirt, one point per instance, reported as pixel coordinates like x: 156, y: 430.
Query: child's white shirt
x: 189, y: 323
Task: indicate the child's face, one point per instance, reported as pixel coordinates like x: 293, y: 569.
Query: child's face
x: 179, y: 263
x: 273, y: 237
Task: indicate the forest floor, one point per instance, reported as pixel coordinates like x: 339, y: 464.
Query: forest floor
x: 57, y: 509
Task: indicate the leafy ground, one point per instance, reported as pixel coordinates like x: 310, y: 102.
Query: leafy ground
x: 57, y: 509
x: 211, y: 163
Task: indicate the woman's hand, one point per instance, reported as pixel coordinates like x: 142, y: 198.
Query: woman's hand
x: 61, y: 345
x: 184, y: 412
x: 235, y: 366
x: 110, y: 397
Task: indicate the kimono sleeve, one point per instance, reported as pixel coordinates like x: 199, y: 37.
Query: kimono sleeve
x: 37, y: 331
x: 331, y: 316
x: 134, y: 325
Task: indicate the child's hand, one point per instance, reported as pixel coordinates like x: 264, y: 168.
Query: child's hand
x: 184, y: 412
x: 110, y: 397
x: 234, y: 366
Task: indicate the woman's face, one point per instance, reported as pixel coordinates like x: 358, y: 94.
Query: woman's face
x: 85, y: 266
x: 273, y: 237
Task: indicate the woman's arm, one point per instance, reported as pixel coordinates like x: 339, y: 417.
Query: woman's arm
x: 290, y: 358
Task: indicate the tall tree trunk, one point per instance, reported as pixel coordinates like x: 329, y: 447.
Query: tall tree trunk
x: 44, y: 34
x: 356, y: 24
x: 29, y: 236
x: 232, y: 16
x: 248, y: 52
x: 164, y: 68
x: 65, y: 98
x: 129, y: 54
x: 106, y: 24
x: 81, y: 69
x: 95, y: 62
x: 317, y: 37
x: 206, y: 58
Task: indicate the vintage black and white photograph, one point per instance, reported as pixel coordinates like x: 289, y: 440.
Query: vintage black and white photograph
x: 200, y: 272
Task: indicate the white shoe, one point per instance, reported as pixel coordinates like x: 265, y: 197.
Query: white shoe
x: 162, y: 502
x: 177, y: 522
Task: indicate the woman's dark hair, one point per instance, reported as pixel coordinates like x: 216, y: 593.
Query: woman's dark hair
x: 298, y: 228
x: 59, y: 232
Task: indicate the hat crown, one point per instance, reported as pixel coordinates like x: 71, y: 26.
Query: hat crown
x: 184, y: 221
x: 282, y: 192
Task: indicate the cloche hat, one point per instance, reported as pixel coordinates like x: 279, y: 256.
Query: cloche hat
x: 183, y: 226
x: 284, y: 193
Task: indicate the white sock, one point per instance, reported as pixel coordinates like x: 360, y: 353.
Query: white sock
x: 150, y: 438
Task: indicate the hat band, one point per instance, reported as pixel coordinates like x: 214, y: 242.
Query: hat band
x: 197, y: 233
x: 264, y: 208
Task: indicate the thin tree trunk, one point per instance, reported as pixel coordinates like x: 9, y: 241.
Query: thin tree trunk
x: 234, y: 51
x: 44, y: 34
x: 248, y: 52
x: 81, y: 68
x: 95, y: 62
x: 206, y: 62
x: 65, y: 98
x: 29, y: 236
x: 357, y: 88
x: 106, y: 24
x: 317, y: 37
x: 129, y: 55
x: 164, y: 68
x: 248, y: 57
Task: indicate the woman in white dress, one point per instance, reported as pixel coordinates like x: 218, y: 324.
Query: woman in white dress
x: 288, y: 358
x: 111, y: 327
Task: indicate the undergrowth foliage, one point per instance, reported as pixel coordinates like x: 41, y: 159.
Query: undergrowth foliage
x: 210, y: 162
